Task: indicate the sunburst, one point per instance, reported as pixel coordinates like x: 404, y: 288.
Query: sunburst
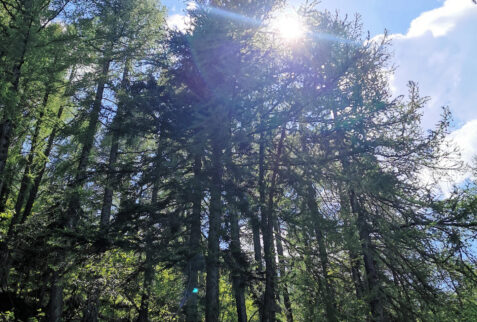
x: 288, y: 25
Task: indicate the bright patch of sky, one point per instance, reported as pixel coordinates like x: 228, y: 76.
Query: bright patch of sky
x: 434, y: 44
x: 377, y: 15
x: 439, y: 52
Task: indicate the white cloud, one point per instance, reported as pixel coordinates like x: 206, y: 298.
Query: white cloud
x: 179, y: 22
x: 440, y: 20
x: 439, y: 51
x: 465, y: 139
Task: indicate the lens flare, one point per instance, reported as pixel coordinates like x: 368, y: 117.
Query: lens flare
x: 288, y: 25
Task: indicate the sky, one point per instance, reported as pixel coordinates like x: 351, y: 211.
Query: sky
x: 438, y: 50
x: 377, y: 15
x: 434, y: 43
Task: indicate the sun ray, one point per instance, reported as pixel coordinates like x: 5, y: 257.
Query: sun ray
x: 288, y: 25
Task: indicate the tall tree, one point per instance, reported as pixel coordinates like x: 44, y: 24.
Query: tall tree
x: 221, y: 172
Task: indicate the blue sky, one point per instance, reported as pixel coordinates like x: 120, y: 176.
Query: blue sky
x: 380, y: 14
x: 434, y: 43
x: 377, y: 14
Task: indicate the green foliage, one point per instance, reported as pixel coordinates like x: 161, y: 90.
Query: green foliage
x: 140, y: 158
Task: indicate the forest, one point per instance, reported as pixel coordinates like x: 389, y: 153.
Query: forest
x: 222, y: 172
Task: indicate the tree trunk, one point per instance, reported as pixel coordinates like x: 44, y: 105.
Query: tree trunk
x: 6, y: 127
x: 328, y: 292
x: 26, y: 181
x: 149, y: 261
x: 269, y: 301
x: 71, y: 216
x: 373, y: 288
x: 313, y: 300
x: 148, y: 278
x: 39, y: 176
x: 257, y: 247
x: 55, y: 306
x: 74, y: 207
x: 261, y: 192
x: 5, y: 137
x: 109, y: 190
x: 282, y: 269
x: 113, y: 157
x: 238, y: 280
x: 352, y: 242
x: 195, y: 260
x: 90, y: 313
x: 88, y: 143
x: 213, y: 245
x: 49, y: 146
x: 259, y: 222
x: 5, y: 186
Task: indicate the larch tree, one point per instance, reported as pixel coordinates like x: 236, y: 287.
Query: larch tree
x: 224, y: 172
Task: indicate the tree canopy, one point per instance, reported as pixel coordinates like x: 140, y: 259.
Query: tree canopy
x: 219, y: 173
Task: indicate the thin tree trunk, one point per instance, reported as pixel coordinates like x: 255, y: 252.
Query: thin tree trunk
x: 74, y: 206
x: 148, y: 277
x: 92, y: 310
x: 49, y: 146
x: 310, y: 267
x: 71, y: 216
x: 269, y: 301
x: 5, y: 137
x: 90, y: 313
x: 109, y: 185
x: 149, y: 261
x: 328, y: 292
x: 238, y: 261
x: 55, y: 306
x: 213, y: 245
x: 282, y: 269
x: 238, y: 281
x: 113, y: 157
x: 348, y: 209
x: 352, y: 242
x: 4, y: 248
x: 26, y: 181
x: 374, y: 290
x: 356, y: 274
x: 6, y: 127
x: 39, y: 176
x: 259, y: 222
x: 5, y: 186
x: 261, y: 192
x: 257, y: 247
x: 192, y: 289
x: 269, y: 304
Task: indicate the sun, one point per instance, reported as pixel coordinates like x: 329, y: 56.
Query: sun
x: 288, y: 25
